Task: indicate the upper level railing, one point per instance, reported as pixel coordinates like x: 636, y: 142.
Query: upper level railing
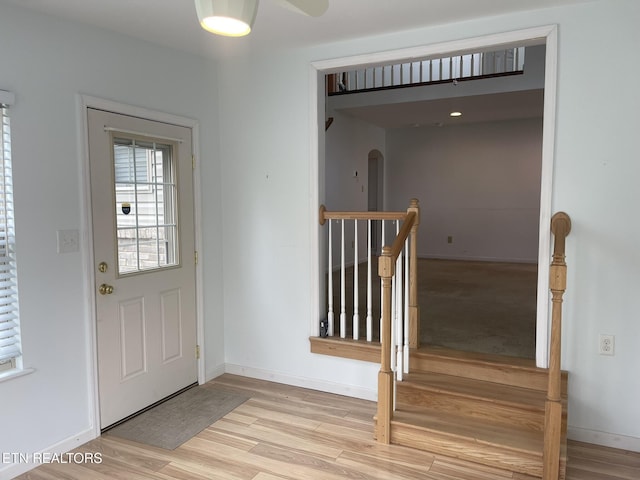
x: 428, y: 71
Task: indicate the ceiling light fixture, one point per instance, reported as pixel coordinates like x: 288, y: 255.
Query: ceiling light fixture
x: 231, y: 18
x: 455, y: 114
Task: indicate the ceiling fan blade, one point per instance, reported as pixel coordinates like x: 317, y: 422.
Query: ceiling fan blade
x: 313, y: 8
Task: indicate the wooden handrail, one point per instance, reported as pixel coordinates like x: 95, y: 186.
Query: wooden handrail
x: 403, y: 234
x: 386, y: 270
x: 560, y: 227
x: 327, y: 215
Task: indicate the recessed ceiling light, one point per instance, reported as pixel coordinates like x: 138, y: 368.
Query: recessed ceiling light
x: 455, y: 114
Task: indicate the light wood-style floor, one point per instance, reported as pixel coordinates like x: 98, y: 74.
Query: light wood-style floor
x: 290, y: 433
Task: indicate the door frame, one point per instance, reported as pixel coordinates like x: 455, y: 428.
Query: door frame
x: 547, y: 34
x: 84, y: 102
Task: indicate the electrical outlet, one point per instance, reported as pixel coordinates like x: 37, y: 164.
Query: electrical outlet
x: 606, y: 345
x: 450, y: 239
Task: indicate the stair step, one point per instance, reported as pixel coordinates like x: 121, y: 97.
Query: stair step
x: 518, y: 372
x: 474, y: 439
x: 504, y: 404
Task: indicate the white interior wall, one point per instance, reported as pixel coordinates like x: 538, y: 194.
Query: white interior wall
x: 478, y: 183
x: 348, y: 143
x: 268, y: 292
x: 267, y: 225
x: 46, y: 62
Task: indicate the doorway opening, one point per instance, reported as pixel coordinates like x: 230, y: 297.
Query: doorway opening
x: 539, y: 36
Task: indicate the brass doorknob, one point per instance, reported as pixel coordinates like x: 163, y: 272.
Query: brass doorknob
x: 105, y: 289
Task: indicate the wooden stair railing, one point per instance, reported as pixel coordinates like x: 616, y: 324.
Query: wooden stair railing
x: 412, y: 308
x: 560, y: 227
x: 386, y: 270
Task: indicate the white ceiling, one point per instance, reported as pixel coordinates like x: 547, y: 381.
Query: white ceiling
x: 173, y: 23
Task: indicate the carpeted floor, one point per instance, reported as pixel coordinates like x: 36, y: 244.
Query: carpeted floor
x: 175, y: 421
x: 487, y: 307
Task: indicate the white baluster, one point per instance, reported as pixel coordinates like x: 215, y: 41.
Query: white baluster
x: 406, y: 306
x: 381, y: 307
x: 369, y: 285
x: 343, y: 303
x: 330, y: 286
x: 356, y: 294
x: 398, y: 316
x: 394, y: 299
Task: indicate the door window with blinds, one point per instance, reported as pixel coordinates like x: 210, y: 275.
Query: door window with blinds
x: 9, y: 330
x: 146, y: 204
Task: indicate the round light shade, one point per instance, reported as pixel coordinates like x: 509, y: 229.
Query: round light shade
x: 233, y: 18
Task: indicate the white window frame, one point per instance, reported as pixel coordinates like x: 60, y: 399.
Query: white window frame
x: 10, y: 345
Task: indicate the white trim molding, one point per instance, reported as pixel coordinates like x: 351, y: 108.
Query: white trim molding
x: 547, y: 35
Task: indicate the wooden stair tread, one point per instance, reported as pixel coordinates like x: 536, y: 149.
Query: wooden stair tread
x: 470, y: 388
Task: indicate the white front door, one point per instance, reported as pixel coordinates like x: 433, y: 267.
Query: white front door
x: 143, y: 235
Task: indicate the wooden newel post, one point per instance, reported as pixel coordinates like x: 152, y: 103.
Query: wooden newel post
x: 414, y: 309
x: 386, y: 269
x: 560, y: 226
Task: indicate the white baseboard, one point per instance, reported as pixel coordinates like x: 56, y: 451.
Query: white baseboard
x: 605, y: 439
x: 214, y: 372
x: 14, y: 469
x: 311, y: 383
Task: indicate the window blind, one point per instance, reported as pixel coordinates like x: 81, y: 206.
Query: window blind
x: 9, y: 331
